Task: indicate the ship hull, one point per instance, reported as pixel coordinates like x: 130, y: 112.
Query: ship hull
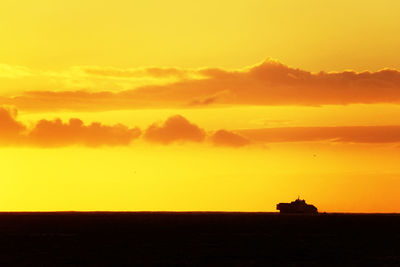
x: 289, y: 208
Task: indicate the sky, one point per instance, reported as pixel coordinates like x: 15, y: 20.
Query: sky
x: 207, y: 106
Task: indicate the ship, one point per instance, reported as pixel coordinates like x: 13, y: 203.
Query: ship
x: 297, y: 206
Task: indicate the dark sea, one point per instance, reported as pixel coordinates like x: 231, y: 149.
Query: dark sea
x: 198, y: 239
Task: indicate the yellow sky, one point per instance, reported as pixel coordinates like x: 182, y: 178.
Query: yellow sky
x: 175, y: 178
x: 311, y: 34
x: 181, y: 71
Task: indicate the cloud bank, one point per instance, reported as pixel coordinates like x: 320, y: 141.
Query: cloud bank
x: 269, y: 83
x: 177, y: 129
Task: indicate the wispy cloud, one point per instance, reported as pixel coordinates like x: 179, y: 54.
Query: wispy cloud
x: 269, y: 83
x: 16, y: 80
x: 345, y: 134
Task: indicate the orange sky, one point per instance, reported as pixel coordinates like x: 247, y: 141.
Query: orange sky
x: 228, y: 106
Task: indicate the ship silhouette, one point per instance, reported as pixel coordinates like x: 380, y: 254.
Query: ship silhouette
x: 297, y: 206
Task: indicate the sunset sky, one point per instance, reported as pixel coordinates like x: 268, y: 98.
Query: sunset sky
x: 199, y: 105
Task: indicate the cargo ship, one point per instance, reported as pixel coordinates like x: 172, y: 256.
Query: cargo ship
x: 297, y: 206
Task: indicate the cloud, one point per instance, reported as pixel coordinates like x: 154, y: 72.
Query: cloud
x: 66, y: 100
x: 174, y: 129
x: 227, y: 138
x: 56, y: 133
x: 269, y: 83
x: 349, y: 134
